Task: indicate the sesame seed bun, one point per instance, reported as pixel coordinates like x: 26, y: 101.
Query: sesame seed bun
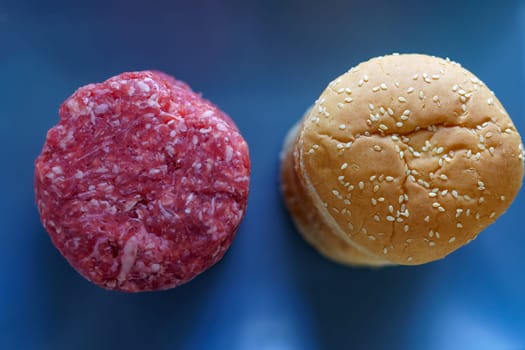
x: 402, y: 160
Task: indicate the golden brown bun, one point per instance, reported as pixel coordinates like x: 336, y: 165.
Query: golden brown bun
x: 404, y: 159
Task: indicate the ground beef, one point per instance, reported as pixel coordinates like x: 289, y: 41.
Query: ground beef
x: 143, y: 183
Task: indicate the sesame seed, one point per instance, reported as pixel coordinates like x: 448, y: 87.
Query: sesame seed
x: 401, y: 99
x: 340, y: 146
x: 348, y: 91
x: 377, y: 148
x: 409, y: 258
x: 376, y: 218
x: 383, y: 86
x: 443, y: 177
x: 459, y: 225
x: 372, y: 238
x: 390, y: 218
x: 391, y: 208
x: 376, y: 188
x: 342, y: 126
x: 347, y: 202
x: 490, y: 101
x: 344, y: 166
x: 464, y: 107
x: 390, y: 111
x: 405, y: 228
x: 348, y: 99
x: 401, y: 154
x: 432, y: 194
x: 493, y: 214
x: 383, y: 127
x: 375, y: 89
x: 373, y: 201
x: 350, y: 226
x: 414, y: 77
x: 385, y: 250
x: 336, y: 193
x: 360, y: 83
x: 436, y: 204
x: 435, y: 98
x: 452, y: 239
x: 435, y: 76
x: 437, y: 235
x: 381, y: 199
x: 365, y: 78
x: 371, y: 106
x: 502, y: 198
x: 441, y: 209
x: 431, y: 233
x: 421, y: 95
x: 455, y: 87
x: 399, y: 124
x: 361, y: 185
x: 410, y: 90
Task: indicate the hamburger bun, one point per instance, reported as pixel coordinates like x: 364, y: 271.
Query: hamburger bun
x: 402, y: 160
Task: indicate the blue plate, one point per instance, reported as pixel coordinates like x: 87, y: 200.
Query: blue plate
x: 263, y: 63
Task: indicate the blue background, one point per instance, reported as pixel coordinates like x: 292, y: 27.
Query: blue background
x: 263, y: 63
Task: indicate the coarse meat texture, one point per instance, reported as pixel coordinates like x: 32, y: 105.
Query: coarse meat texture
x: 143, y: 183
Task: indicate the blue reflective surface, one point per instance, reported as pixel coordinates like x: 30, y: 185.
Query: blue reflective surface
x: 263, y: 63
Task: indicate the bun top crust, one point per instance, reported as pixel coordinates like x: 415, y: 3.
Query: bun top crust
x: 409, y: 157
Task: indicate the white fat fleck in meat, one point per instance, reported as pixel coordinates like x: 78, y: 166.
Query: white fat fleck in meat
x: 102, y: 108
x: 57, y: 170
x: 195, y: 139
x: 228, y: 153
x: 207, y: 114
x: 155, y: 267
x: 165, y: 212
x: 173, y: 133
x: 221, y: 126
x: 143, y: 86
x: 189, y: 199
x: 170, y: 150
x: 73, y: 106
x: 129, y: 254
x: 205, y: 130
